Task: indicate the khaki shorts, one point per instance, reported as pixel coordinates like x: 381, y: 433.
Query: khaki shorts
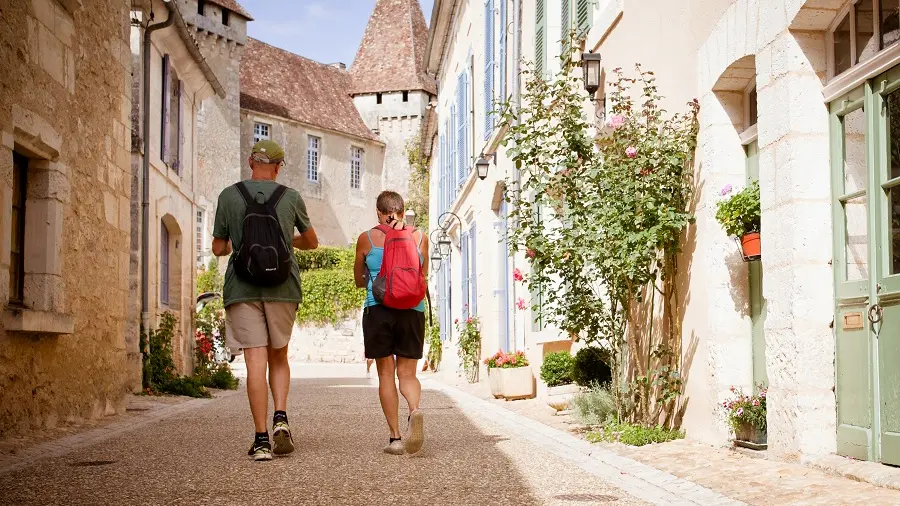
x: 259, y: 324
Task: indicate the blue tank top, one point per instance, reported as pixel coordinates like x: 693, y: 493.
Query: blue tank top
x: 373, y: 264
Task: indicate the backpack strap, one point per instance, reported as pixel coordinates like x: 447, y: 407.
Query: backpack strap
x: 273, y: 201
x: 245, y: 193
x: 430, y: 307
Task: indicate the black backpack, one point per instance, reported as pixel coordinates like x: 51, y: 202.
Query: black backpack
x: 263, y: 258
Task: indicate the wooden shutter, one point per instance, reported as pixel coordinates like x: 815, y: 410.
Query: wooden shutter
x: 502, y: 49
x: 461, y: 122
x: 464, y: 273
x: 584, y: 16
x: 488, y: 67
x: 473, y: 271
x: 179, y: 136
x: 565, y: 23
x: 540, y: 37
x: 164, y: 117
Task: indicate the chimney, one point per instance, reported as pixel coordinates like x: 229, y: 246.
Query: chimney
x: 338, y: 65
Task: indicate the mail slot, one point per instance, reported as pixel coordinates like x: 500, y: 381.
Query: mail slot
x: 853, y: 321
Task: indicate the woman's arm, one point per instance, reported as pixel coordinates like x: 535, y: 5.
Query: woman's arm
x: 359, y: 265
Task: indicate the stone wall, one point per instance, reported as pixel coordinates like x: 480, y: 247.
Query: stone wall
x: 338, y: 213
x: 342, y: 343
x: 62, y: 352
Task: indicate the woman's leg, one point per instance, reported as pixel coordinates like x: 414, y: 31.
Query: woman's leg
x: 409, y: 383
x: 387, y: 393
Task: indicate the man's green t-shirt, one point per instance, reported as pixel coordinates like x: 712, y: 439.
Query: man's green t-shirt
x: 230, y: 225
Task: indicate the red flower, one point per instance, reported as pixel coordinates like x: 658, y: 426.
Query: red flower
x: 517, y: 274
x: 530, y: 253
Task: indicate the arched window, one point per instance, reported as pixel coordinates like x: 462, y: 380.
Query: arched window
x: 163, y: 264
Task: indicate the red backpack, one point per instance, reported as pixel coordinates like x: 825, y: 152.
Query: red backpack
x: 400, y: 283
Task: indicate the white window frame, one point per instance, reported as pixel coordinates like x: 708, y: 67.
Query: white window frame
x: 258, y: 134
x: 200, y: 232
x: 313, y: 158
x: 357, y: 155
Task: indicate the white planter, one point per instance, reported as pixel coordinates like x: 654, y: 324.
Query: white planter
x: 560, y: 398
x: 517, y: 382
x: 496, y: 384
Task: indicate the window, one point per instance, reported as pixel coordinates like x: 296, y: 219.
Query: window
x: 260, y: 132
x: 489, y: 68
x: 312, y: 159
x: 201, y: 7
x: 201, y: 221
x: 378, y: 98
x: 462, y: 135
x: 406, y: 96
x: 226, y: 17
x: 503, y: 49
x: 17, y: 243
x: 171, y: 135
x: 752, y: 107
x: 356, y: 167
x: 163, y: 264
x: 862, y: 30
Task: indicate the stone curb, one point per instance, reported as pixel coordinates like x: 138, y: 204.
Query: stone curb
x: 64, y: 446
x: 637, y: 479
x: 867, y: 472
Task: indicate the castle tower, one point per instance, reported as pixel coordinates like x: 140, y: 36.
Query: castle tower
x: 220, y: 28
x: 391, y: 89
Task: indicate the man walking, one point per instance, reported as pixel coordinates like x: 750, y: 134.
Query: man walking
x: 257, y: 218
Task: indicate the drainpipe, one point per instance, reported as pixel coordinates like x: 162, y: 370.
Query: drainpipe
x: 145, y: 170
x: 517, y: 100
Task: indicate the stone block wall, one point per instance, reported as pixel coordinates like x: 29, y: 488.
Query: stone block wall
x: 62, y: 352
x: 341, y: 343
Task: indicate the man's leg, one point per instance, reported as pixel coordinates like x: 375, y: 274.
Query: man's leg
x: 279, y: 376
x: 246, y: 327
x: 257, y: 390
x: 280, y: 318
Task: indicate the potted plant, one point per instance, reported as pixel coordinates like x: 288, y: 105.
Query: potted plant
x: 494, y: 374
x: 469, y: 350
x: 739, y: 215
x: 747, y: 417
x: 556, y: 371
x: 516, y: 380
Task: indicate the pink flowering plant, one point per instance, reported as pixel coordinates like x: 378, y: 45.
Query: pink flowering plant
x: 739, y: 213
x: 469, y: 349
x: 491, y: 362
x: 746, y: 410
x: 512, y: 360
x: 601, y: 214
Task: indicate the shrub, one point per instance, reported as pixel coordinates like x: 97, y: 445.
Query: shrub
x: 329, y: 295
x: 435, y: 347
x: 634, y: 434
x: 222, y: 378
x: 591, y: 367
x: 746, y: 409
x: 211, y: 279
x: 325, y: 257
x: 595, y: 406
x: 185, y: 385
x: 159, y: 367
x: 557, y: 368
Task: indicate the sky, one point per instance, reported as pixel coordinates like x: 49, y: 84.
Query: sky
x: 328, y: 31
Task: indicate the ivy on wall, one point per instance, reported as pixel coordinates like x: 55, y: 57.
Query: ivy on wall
x: 329, y: 291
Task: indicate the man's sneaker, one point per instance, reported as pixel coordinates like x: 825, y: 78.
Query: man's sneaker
x: 281, y: 434
x: 261, y: 450
x: 394, y: 447
x: 415, y: 436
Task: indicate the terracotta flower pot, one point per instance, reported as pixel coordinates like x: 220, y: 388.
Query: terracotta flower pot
x: 517, y: 382
x: 751, y: 245
x: 751, y: 434
x: 496, y: 384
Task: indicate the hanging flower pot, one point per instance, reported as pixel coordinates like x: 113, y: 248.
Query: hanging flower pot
x: 750, y: 245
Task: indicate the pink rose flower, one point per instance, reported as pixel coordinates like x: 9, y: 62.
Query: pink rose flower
x: 726, y: 190
x: 521, y: 303
x: 530, y: 253
x: 631, y: 151
x: 756, y: 402
x: 615, y: 121
x: 517, y: 274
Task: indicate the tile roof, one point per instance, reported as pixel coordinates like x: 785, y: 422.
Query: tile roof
x: 391, y: 56
x: 233, y: 6
x: 280, y: 83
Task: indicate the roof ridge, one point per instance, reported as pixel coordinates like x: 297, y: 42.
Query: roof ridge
x: 300, y: 56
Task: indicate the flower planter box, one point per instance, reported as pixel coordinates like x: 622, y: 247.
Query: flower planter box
x: 560, y: 397
x: 496, y: 384
x: 516, y: 383
x: 749, y: 436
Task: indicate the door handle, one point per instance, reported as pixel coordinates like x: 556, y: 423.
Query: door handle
x: 875, y: 314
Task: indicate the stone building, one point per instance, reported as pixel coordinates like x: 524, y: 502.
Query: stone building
x: 799, y: 94
x: 65, y: 135
x: 179, y: 81
x: 220, y: 28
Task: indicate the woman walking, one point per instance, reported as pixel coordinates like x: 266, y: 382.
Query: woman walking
x: 389, y: 332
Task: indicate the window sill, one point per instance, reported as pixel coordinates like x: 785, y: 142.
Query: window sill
x: 28, y: 321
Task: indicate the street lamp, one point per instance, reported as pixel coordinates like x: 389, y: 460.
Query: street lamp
x: 590, y: 65
x: 410, y: 217
x: 436, y: 259
x: 444, y: 244
x: 483, y: 164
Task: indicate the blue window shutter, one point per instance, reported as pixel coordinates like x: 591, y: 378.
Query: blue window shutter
x: 180, y: 135
x: 164, y: 117
x: 464, y: 273
x: 566, y: 23
x: 441, y: 167
x: 473, y: 271
x: 461, y: 129
x: 454, y: 153
x: 584, y: 16
x: 540, y: 37
x: 488, y: 67
x: 502, y: 49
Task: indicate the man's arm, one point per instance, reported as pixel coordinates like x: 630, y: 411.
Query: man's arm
x: 221, y: 247
x: 359, y: 264
x: 306, y: 240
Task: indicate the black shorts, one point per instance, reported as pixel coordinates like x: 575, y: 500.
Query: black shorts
x: 388, y: 331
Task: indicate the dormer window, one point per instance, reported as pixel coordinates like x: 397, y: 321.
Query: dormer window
x: 226, y: 16
x: 201, y: 7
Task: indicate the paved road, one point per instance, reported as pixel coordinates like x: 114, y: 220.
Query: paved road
x: 198, y: 456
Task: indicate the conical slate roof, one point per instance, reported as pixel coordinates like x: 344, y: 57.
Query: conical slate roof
x: 391, y: 56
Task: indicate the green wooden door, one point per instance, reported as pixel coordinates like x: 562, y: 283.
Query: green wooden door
x: 866, y: 169
x: 757, y: 302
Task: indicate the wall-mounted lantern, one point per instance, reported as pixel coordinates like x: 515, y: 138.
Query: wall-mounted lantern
x: 590, y: 65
